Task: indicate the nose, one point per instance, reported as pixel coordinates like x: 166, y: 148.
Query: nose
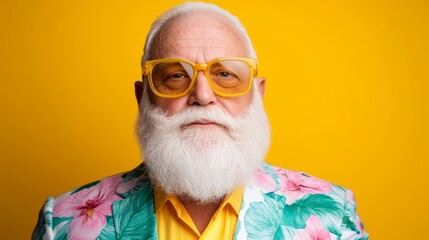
x: 201, y: 93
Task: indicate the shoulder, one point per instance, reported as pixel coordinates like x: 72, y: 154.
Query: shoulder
x: 105, y: 190
x: 286, y: 204
x: 91, y: 203
x: 294, y: 185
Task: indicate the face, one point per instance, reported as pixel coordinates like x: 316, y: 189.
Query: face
x: 200, y: 39
x: 201, y: 145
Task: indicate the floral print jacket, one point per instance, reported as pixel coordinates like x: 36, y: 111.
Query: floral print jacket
x: 279, y: 204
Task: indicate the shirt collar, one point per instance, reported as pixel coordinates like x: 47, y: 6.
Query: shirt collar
x: 234, y: 199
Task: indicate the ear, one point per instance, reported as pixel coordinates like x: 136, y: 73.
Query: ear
x: 138, y: 88
x: 260, y: 82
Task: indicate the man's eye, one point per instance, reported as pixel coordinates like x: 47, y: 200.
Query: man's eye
x: 224, y: 74
x: 176, y: 76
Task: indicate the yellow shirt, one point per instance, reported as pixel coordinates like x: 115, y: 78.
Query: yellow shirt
x: 174, y: 222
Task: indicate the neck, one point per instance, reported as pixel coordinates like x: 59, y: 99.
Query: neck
x: 201, y: 213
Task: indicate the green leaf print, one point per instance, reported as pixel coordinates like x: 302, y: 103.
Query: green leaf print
x: 108, y: 232
x: 347, y: 223
x: 57, y: 220
x: 324, y: 207
x: 134, y: 217
x: 285, y: 232
x: 262, y: 218
x: 61, y: 234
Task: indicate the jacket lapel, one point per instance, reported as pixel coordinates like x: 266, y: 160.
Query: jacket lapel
x: 134, y: 216
x: 260, y: 215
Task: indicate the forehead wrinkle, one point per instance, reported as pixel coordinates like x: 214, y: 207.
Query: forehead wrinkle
x: 197, y: 38
x: 182, y: 34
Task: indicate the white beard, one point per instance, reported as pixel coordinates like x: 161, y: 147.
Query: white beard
x: 204, y: 164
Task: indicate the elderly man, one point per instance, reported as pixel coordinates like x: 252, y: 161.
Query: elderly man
x: 204, y: 135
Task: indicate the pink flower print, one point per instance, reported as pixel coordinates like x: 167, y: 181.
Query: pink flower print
x: 126, y: 186
x: 314, y: 230
x: 296, y: 185
x: 89, y: 207
x: 350, y: 197
x: 265, y: 181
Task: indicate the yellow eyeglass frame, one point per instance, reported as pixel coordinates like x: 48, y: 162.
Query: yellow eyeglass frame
x: 147, y: 68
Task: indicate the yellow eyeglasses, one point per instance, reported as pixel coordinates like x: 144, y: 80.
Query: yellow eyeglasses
x: 174, y: 77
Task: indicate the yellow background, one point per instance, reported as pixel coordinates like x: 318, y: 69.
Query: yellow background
x: 347, y: 96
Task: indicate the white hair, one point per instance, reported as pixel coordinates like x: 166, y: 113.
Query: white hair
x: 189, y: 8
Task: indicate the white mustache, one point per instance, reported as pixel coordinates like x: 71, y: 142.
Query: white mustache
x: 193, y: 115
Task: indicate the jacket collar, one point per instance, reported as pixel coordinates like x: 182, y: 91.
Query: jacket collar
x: 134, y: 216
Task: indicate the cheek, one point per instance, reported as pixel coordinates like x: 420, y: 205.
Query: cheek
x: 171, y: 106
x: 238, y: 105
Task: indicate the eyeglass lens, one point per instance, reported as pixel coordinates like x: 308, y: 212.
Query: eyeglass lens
x: 227, y: 76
